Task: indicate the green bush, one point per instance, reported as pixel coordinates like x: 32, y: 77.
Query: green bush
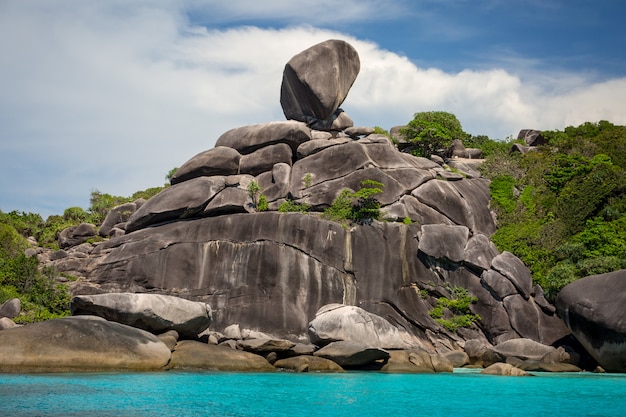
x: 288, y: 206
x: 431, y: 131
x: 459, y: 306
x: 360, y: 206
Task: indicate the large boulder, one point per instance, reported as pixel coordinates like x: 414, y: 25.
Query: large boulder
x: 152, y: 312
x: 593, y: 309
x: 247, y: 139
x: 308, y: 363
x: 317, y: 80
x: 189, y: 355
x: 80, y: 344
x: 351, y: 354
x: 75, y: 235
x: 220, y: 160
x: 337, y: 322
x: 179, y: 201
x: 118, y: 215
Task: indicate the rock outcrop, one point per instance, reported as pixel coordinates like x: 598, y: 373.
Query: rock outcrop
x: 205, y: 239
x: 78, y: 344
x: 593, y: 308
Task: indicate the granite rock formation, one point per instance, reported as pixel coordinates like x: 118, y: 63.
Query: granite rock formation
x: 593, y: 308
x: 204, y: 238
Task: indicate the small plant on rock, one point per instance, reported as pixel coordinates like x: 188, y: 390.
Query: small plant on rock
x: 459, y: 306
x: 360, y: 207
x: 259, y: 200
x: 290, y: 206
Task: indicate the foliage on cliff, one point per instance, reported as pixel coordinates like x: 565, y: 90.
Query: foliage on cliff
x: 20, y: 277
x: 562, y: 209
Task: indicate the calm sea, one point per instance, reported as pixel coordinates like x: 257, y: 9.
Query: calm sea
x: 286, y: 394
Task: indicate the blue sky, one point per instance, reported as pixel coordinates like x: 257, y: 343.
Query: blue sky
x: 110, y: 95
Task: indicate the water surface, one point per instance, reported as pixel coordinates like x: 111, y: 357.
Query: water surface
x: 287, y: 394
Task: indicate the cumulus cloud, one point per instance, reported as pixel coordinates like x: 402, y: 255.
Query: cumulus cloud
x: 110, y: 96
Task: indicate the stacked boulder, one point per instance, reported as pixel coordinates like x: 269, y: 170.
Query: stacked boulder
x: 204, y: 238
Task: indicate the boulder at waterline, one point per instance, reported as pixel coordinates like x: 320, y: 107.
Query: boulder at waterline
x: 155, y: 313
x: 308, y: 363
x: 80, y: 344
x: 352, y: 354
x: 335, y: 322
x: 189, y: 354
x: 593, y: 309
x: 504, y: 369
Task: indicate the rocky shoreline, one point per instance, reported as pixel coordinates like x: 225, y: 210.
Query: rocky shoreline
x: 214, y: 273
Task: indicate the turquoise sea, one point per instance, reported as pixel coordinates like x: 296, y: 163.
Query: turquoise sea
x: 162, y: 394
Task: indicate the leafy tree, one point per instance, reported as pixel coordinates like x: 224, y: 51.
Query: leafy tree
x: 432, y: 131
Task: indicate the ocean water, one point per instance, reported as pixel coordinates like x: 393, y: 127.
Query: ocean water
x: 165, y: 394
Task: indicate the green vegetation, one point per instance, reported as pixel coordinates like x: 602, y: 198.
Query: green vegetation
x: 259, y: 200
x: 431, y: 131
x: 454, y: 313
x: 562, y: 209
x: 357, y: 206
x: 290, y: 206
x: 307, y: 180
x: 41, y: 297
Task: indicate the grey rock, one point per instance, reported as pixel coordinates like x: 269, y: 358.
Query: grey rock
x: 189, y: 354
x: 233, y: 332
x: 75, y: 235
x: 458, y: 358
x: 219, y: 161
x: 179, y: 201
x: 11, y: 308
x: 480, y: 251
x: 264, y: 345
x: 248, y: 139
x: 275, y: 183
x: 498, y: 284
x: 265, y: 158
x: 593, y: 309
x: 230, y: 200
x: 316, y: 145
x: 152, y: 312
x: 532, y: 137
x: 515, y: 271
x: 118, y: 214
x: 308, y: 363
x: 503, y: 369
x: 352, y: 354
x: 170, y: 338
x: 444, y: 242
x: 337, y: 322
x: 317, y: 80
x: 357, y: 131
x: 77, y: 344
x: 523, y: 349
x: 7, y: 323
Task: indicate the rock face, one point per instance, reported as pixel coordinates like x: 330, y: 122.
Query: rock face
x: 593, y: 308
x: 204, y: 238
x: 76, y: 344
x: 152, y: 312
x: 317, y: 81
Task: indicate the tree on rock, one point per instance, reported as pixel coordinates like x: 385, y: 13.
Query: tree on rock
x: 432, y: 131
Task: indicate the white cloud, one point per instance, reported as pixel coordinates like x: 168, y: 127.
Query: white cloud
x: 98, y: 97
